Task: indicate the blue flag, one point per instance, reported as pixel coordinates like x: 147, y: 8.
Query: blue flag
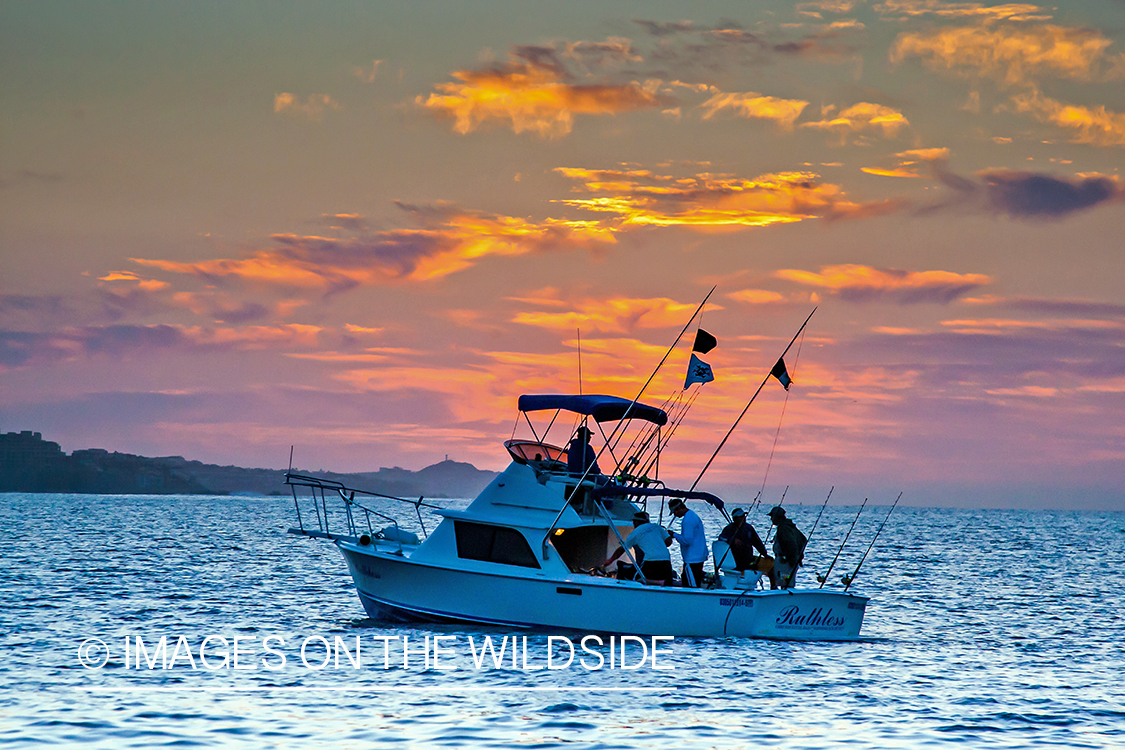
x: 698, y: 371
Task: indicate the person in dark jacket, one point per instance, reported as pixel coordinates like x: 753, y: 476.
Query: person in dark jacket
x: 581, y: 461
x: 743, y: 540
x: 580, y: 455
x: 788, y: 549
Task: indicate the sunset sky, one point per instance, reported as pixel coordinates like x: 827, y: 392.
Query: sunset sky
x: 364, y: 229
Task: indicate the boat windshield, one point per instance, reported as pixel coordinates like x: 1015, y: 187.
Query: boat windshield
x: 526, y: 451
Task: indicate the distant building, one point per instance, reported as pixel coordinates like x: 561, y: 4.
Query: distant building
x: 26, y: 446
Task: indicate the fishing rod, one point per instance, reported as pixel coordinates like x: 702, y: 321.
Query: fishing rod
x: 751, y: 401
x: 842, y: 544
x: 818, y: 515
x: 848, y: 579
x: 635, y: 453
x: 769, y: 534
x: 662, y: 444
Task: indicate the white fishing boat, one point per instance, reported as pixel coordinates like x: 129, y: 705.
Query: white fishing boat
x: 529, y: 550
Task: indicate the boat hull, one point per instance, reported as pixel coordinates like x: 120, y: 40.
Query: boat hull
x: 392, y: 585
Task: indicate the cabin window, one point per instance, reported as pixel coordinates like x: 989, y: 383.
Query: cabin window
x: 478, y: 541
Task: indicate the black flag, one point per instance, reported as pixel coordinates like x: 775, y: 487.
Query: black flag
x: 781, y: 373
x: 704, y: 342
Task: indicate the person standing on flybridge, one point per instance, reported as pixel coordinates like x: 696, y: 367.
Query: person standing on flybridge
x: 580, y: 454
x: 693, y: 542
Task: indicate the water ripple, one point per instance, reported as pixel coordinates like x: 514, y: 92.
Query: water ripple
x: 987, y: 628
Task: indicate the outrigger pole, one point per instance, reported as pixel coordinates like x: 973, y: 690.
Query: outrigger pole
x: 751, y: 401
x: 848, y: 579
x: 667, y: 354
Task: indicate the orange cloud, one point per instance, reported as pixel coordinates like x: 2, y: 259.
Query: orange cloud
x: 612, y: 315
x: 995, y: 325
x: 756, y: 297
x: 148, y: 285
x: 943, y: 9
x: 350, y: 328
x: 908, y: 162
x: 534, y: 94
x: 338, y: 357
x: 483, y: 385
x: 1013, y: 54
x: 861, y: 283
x: 711, y: 201
x: 925, y: 154
x: 862, y: 117
x: 899, y: 172
x: 312, y: 107
x: 253, y: 337
x: 827, y: 6
x: 784, y: 112
x: 1096, y: 126
x: 450, y: 240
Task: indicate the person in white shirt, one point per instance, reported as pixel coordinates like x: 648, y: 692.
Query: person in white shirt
x: 693, y: 542
x: 652, y: 541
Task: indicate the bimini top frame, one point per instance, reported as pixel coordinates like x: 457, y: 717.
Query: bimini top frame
x: 601, y: 408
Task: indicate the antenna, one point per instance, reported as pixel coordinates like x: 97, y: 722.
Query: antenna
x: 579, y: 330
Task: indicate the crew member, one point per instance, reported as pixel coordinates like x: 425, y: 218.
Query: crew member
x: 743, y: 540
x: 581, y: 461
x: 650, y: 539
x: 788, y: 548
x: 693, y: 542
x: 580, y: 455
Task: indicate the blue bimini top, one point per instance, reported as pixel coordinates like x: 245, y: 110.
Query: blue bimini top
x: 601, y: 408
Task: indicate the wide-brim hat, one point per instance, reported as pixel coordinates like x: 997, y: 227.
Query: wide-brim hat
x: 737, y: 513
x: 675, y: 503
x: 777, y: 512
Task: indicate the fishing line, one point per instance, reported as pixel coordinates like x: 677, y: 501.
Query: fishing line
x: 777, y: 434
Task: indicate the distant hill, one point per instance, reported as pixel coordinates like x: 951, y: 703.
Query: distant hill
x: 30, y: 464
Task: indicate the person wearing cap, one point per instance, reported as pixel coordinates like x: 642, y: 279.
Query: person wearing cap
x: 651, y: 540
x: 580, y: 455
x: 581, y: 461
x: 693, y: 542
x: 743, y: 540
x: 788, y: 549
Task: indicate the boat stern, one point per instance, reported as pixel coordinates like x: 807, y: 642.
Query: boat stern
x: 808, y: 615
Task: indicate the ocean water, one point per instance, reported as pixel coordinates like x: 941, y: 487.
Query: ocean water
x: 986, y: 629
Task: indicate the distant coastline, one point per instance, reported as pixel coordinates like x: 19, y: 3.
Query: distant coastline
x: 28, y: 463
